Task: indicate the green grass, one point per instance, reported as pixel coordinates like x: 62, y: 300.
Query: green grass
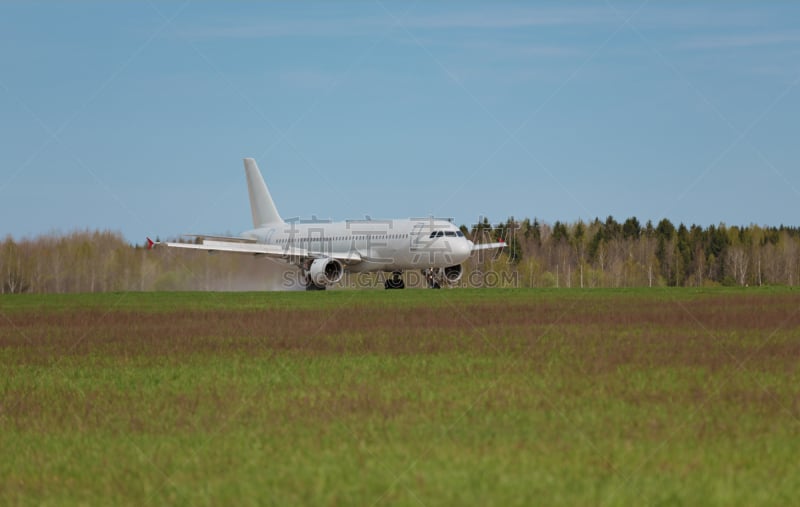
x: 479, y: 397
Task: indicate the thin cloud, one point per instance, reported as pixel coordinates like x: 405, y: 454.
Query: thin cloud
x: 507, y: 47
x: 700, y: 17
x: 741, y: 41
x: 366, y: 25
x: 513, y: 18
x: 499, y: 17
x: 280, y: 28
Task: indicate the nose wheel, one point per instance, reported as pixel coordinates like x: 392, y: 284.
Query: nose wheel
x: 395, y: 281
x: 432, y: 278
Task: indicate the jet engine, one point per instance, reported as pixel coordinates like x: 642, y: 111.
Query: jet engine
x: 325, y: 271
x: 451, y: 274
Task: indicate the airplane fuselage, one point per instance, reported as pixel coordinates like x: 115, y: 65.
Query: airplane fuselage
x: 381, y: 245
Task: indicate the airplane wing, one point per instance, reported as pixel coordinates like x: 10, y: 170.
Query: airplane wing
x: 244, y: 245
x: 232, y: 239
x: 487, y: 246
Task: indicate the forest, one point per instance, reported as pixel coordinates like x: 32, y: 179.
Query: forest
x: 581, y: 254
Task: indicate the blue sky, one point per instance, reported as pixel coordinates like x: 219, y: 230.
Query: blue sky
x: 134, y: 117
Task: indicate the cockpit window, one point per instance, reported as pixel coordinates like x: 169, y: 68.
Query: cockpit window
x: 449, y: 234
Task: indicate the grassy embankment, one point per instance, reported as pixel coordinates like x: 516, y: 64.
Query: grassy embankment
x: 490, y: 397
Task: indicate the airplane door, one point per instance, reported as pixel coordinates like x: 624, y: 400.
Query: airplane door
x: 416, y: 237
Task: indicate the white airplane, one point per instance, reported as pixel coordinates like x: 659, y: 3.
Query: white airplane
x: 324, y: 250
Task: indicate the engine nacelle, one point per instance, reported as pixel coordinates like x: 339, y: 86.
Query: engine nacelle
x: 325, y: 271
x: 451, y: 274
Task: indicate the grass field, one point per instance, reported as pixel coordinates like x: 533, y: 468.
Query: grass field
x: 452, y: 397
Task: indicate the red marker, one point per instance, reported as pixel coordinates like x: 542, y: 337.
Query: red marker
x: 150, y: 244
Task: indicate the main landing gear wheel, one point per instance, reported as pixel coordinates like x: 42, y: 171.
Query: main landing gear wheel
x: 310, y: 285
x: 395, y: 281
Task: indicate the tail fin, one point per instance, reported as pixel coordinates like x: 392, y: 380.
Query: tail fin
x: 261, y: 205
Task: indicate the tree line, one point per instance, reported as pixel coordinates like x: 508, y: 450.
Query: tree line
x: 628, y: 254
x: 103, y: 261
x: 579, y: 254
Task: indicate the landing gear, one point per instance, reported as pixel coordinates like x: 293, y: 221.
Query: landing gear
x: 431, y: 278
x: 395, y: 281
x: 310, y: 285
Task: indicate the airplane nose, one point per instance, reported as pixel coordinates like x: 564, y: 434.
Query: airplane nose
x: 463, y: 250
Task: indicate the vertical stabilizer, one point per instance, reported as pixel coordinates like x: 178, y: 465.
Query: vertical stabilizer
x: 261, y: 205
